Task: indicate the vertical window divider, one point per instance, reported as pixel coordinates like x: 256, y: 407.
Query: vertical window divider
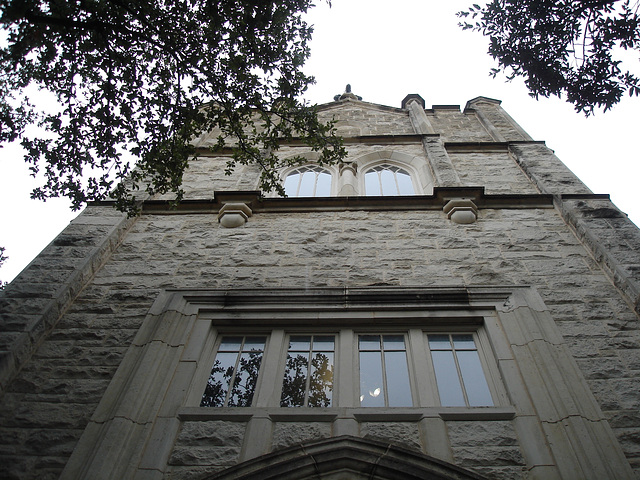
x: 232, y: 380
x: 270, y: 382
x: 385, y: 389
x: 459, y: 370
x: 424, y: 387
x: 307, y: 382
x: 347, y: 352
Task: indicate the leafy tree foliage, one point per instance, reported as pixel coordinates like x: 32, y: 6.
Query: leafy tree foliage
x: 294, y: 385
x: 244, y: 382
x: 568, y: 47
x: 3, y: 257
x: 144, y: 78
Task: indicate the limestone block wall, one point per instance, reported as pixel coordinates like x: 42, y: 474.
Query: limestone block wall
x: 44, y: 411
x: 496, y: 171
x: 456, y: 126
x: 361, y: 118
x: 496, y: 121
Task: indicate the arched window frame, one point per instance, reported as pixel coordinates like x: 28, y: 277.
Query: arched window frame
x: 306, y: 169
x: 393, y: 166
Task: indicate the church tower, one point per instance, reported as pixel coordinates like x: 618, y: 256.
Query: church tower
x: 450, y: 302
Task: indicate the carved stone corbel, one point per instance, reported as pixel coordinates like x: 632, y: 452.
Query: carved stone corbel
x: 461, y: 210
x: 234, y: 214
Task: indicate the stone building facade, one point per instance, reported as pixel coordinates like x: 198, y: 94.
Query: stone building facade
x: 452, y: 303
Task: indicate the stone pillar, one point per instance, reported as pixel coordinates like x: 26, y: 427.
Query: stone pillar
x: 415, y: 104
x: 444, y: 173
x: 497, y: 121
x: 347, y: 185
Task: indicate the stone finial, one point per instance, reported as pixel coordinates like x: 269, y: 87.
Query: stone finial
x: 234, y: 214
x: 347, y: 94
x: 461, y: 210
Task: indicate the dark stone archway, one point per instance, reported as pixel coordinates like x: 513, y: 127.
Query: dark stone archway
x: 342, y: 458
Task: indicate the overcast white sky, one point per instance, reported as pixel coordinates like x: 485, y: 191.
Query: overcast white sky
x: 387, y: 50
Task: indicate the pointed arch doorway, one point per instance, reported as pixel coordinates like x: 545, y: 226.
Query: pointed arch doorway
x: 345, y: 458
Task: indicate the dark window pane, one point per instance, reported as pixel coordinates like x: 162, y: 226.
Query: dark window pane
x: 254, y: 344
x: 321, y: 381
x: 439, y: 342
x: 295, y: 380
x: 447, y: 379
x: 463, y: 342
x: 371, y: 388
x: 398, y: 389
x: 215, y: 392
x: 323, y: 344
x: 230, y: 344
x: 393, y: 342
x: 474, y: 380
x: 369, y: 342
x: 246, y: 378
x: 300, y: 343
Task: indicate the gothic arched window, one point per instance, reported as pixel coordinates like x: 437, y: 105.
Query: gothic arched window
x: 308, y: 181
x: 388, y: 180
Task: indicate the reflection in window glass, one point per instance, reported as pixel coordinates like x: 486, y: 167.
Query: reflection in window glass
x: 388, y: 180
x: 459, y: 375
x: 234, y: 374
x: 308, y: 181
x: 384, y: 375
x: 308, y: 376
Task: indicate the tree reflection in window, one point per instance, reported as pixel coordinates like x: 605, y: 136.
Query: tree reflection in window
x: 308, y: 181
x: 388, y: 180
x: 308, y: 376
x: 234, y: 375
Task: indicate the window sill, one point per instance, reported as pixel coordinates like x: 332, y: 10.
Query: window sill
x: 299, y: 414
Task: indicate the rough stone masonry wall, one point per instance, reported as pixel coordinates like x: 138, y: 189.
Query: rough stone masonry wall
x: 367, y: 119
x: 455, y: 126
x: 45, y: 409
x: 495, y: 171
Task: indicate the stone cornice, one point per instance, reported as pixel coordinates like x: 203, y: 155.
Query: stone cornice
x: 437, y: 201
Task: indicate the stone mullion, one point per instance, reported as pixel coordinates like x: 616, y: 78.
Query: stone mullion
x: 268, y: 388
x: 346, y: 383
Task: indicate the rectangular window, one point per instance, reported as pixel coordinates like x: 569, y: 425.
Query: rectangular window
x: 234, y: 374
x: 458, y: 371
x: 384, y: 375
x: 308, y: 375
